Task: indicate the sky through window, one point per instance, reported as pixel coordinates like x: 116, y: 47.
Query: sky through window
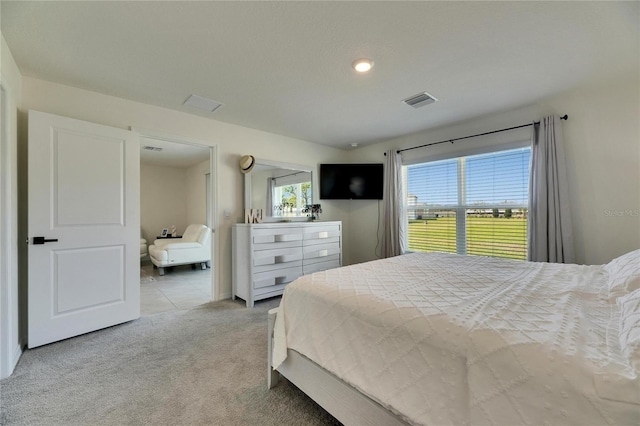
x: 494, y: 178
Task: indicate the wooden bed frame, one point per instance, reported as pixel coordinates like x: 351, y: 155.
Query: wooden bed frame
x: 341, y: 400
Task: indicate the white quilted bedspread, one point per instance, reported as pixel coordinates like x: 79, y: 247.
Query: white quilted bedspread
x: 445, y: 339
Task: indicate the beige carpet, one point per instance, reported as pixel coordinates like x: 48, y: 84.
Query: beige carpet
x: 204, y: 366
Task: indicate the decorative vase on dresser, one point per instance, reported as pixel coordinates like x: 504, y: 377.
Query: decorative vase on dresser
x: 268, y: 256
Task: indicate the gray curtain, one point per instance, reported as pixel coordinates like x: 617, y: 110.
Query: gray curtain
x: 271, y: 184
x: 395, y: 220
x: 550, y: 234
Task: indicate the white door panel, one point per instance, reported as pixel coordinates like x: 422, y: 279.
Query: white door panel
x: 105, y: 284
x: 84, y: 182
x: 100, y: 179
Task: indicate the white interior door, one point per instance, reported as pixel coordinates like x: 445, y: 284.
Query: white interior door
x: 84, y: 191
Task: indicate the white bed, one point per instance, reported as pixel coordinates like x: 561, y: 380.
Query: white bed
x: 445, y: 339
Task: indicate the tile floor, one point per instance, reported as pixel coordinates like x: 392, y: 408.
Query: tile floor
x: 179, y: 288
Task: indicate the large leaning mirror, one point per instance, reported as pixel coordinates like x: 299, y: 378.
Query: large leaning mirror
x: 282, y: 190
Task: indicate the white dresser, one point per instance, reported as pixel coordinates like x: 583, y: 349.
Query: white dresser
x: 268, y: 256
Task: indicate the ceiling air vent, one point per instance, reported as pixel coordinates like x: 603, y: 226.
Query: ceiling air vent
x: 199, y: 102
x: 152, y: 148
x: 421, y: 99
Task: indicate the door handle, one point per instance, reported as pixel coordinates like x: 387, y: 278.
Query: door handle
x: 42, y: 240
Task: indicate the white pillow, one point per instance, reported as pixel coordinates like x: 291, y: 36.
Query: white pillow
x: 624, y: 274
x: 630, y: 327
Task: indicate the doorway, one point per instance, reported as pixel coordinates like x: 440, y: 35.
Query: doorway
x: 177, y: 189
x: 7, y: 324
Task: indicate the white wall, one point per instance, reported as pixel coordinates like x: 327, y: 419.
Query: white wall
x: 163, y: 200
x: 10, y: 345
x: 196, y: 193
x: 602, y: 143
x: 232, y: 141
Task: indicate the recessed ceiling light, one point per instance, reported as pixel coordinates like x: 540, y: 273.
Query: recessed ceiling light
x: 362, y: 65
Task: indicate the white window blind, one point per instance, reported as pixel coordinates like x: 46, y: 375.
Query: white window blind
x: 470, y: 205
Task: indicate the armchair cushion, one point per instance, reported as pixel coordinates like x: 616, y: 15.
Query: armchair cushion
x: 180, y: 246
x: 143, y: 247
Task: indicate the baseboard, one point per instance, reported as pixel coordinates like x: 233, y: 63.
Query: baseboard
x: 16, y: 357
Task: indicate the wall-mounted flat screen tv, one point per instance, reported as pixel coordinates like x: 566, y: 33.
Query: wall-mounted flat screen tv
x: 351, y: 181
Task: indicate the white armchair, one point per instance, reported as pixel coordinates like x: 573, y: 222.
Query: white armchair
x: 193, y: 248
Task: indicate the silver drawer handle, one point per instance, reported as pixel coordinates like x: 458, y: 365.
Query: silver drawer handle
x: 323, y: 234
x: 274, y: 281
x: 323, y: 253
x: 285, y: 237
x: 286, y: 258
x: 283, y: 280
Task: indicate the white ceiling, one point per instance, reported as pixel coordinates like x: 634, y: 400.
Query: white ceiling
x: 285, y: 67
x: 172, y: 154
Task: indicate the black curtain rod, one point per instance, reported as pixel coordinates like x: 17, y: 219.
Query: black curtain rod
x: 564, y: 117
x: 290, y: 174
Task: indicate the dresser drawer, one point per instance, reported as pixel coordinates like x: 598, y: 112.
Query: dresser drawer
x: 315, y: 241
x: 276, y: 266
x: 321, y: 250
x: 276, y: 277
x: 321, y: 234
x: 275, y: 256
x: 264, y: 239
x: 329, y: 258
x: 270, y: 291
x: 320, y: 266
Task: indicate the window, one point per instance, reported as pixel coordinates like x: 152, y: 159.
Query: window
x: 290, y: 200
x: 470, y: 205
